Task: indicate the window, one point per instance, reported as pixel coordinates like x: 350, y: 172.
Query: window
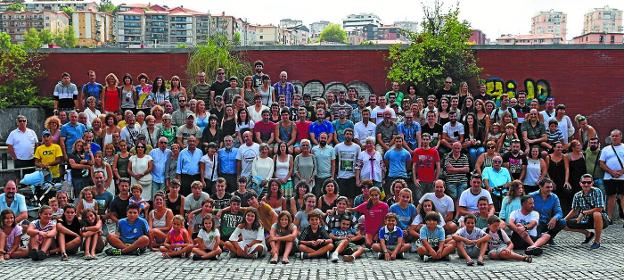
x: 601, y: 39
x: 261, y: 37
x: 612, y: 39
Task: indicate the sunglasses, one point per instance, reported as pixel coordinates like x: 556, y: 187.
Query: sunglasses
x: 586, y: 182
x: 21, y: 120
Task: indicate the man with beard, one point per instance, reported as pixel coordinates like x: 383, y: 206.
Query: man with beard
x: 201, y: 90
x: 592, y: 155
x: 257, y: 76
x: 325, y: 156
x: 515, y: 161
x: 452, y: 131
x: 10, y: 199
x: 220, y: 84
x: 347, y: 153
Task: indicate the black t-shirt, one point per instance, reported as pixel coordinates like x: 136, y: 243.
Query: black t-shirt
x: 482, y: 97
x: 74, y: 226
x: 308, y: 235
x: 220, y: 203
x: 119, y: 207
x: 219, y: 87
x: 78, y: 173
x: 244, y: 198
x: 515, y: 164
x: 442, y: 92
x: 435, y: 132
x: 218, y: 113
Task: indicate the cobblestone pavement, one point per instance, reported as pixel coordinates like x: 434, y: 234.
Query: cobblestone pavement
x: 568, y: 259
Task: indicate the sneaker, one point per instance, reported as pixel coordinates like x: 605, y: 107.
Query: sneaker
x: 113, y: 252
x: 334, y: 257
x: 142, y: 250
x: 303, y: 256
x: 253, y: 255
x: 33, y: 255
x: 589, y: 238
x: 552, y: 242
x: 426, y: 258
x: 136, y: 252
x: 534, y: 251
x: 380, y: 256
x: 400, y: 256
x: 42, y: 255
x: 594, y: 246
x: 196, y: 257
x: 348, y: 258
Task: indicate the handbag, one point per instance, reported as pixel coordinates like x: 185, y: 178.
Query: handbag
x: 618, y: 157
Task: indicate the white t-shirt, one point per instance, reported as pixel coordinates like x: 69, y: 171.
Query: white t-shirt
x: 361, y: 131
x: 443, y: 205
x: 211, y: 171
x: 470, y: 201
x: 453, y: 131
x: 474, y: 235
x: 23, y: 143
x: 347, y: 156
x: 520, y: 218
x: 246, y: 155
x: 254, y: 115
x: 209, y: 238
x: 609, y: 157
x: 497, y: 240
x: 419, y: 220
x: 378, y: 112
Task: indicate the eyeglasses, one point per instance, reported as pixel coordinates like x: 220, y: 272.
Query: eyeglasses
x: 21, y: 120
x: 491, y: 147
x: 181, y: 100
x: 497, y: 161
x: 162, y: 142
x: 586, y: 182
x: 448, y: 82
x: 140, y: 147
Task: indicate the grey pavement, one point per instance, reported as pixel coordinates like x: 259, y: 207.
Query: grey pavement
x: 568, y: 259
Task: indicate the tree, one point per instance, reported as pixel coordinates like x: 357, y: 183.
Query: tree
x: 65, y: 38
x: 333, y: 33
x: 217, y: 52
x: 32, y: 39
x: 441, y: 49
x: 16, y: 7
x: 46, y: 36
x: 236, y: 39
x: 107, y: 6
x: 18, y: 71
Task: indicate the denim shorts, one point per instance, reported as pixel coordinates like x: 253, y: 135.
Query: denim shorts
x: 456, y: 189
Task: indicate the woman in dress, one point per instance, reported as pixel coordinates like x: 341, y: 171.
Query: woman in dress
x: 111, y: 94
x: 558, y: 165
x: 212, y: 133
x: 576, y: 160
x: 120, y: 165
x: 140, y: 170
x: 248, y: 91
x: 176, y: 90
x: 128, y: 94
x: 201, y: 116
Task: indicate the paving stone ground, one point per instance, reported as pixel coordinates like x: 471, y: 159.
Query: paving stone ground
x: 568, y: 259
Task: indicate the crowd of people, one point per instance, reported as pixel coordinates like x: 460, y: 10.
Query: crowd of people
x: 261, y: 168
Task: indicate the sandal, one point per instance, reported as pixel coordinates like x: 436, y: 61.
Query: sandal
x: 528, y: 259
x: 285, y: 261
x: 273, y: 260
x: 470, y: 263
x: 589, y: 238
x: 480, y: 262
x: 166, y: 255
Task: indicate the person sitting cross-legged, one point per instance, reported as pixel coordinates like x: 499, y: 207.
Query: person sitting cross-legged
x: 133, y: 235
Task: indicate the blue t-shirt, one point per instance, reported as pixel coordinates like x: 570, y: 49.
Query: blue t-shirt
x: 130, y: 232
x: 396, y: 161
x: 433, y: 237
x: 18, y: 205
x: 317, y: 128
x: 405, y: 215
x: 339, y: 128
x: 92, y: 89
x: 409, y: 133
x: 343, y: 233
x: 71, y: 134
x: 391, y: 237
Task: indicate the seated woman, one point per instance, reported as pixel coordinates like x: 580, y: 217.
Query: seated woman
x: 247, y: 240
x: 159, y: 221
x: 42, y: 234
x: 10, y: 237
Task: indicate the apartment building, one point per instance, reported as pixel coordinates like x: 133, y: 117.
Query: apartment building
x: 17, y: 23
x: 92, y: 28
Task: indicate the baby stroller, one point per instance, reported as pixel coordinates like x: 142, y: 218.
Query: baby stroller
x: 38, y: 188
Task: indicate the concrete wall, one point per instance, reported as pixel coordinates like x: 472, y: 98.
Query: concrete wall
x: 36, y: 117
x: 584, y: 77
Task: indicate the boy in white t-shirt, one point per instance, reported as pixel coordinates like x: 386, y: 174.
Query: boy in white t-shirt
x: 500, y: 246
x: 471, y: 241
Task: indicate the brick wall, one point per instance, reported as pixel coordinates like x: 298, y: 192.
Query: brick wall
x: 587, y: 80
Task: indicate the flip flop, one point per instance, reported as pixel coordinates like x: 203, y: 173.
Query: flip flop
x: 589, y: 238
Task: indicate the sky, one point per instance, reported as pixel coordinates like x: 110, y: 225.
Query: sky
x: 493, y: 17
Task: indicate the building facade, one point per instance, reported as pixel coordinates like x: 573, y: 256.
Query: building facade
x: 550, y: 22
x: 92, y: 28
x: 603, y: 20
x: 17, y: 23
x: 358, y: 21
x: 533, y: 39
x: 599, y: 39
x: 77, y: 5
x: 317, y: 27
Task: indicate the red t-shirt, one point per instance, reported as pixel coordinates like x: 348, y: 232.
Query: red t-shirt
x: 303, y: 130
x: 265, y: 129
x: 425, y: 161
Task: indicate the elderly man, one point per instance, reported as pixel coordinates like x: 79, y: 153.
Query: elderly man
x: 161, y: 157
x: 227, y: 163
x: 21, y: 142
x: 496, y: 179
x: 457, y: 168
x: 588, y: 212
x: 385, y: 132
x: 284, y: 88
x: 131, y: 131
x: 70, y: 132
x: 533, y: 131
x: 611, y: 158
x: 10, y: 199
x: 188, y: 165
x: 247, y: 152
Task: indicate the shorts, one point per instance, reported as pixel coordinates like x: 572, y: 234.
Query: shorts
x: 456, y: 189
x: 472, y: 251
x: 348, y: 188
x: 351, y: 248
x: 243, y: 243
x: 613, y: 187
x: 587, y: 224
x: 498, y: 249
x: 519, y: 243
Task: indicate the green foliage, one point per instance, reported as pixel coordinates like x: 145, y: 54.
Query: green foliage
x: 236, y: 39
x: 46, y: 36
x: 66, y: 38
x: 32, y: 40
x: 16, y: 7
x: 181, y: 46
x: 333, y: 33
x: 18, y: 70
x: 441, y: 49
x: 68, y: 10
x: 107, y: 6
x: 217, y: 52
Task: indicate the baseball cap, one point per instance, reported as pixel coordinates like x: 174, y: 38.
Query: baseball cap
x: 45, y: 133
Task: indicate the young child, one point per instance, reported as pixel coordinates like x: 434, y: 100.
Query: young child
x: 68, y: 228
x: 344, y: 237
x: 425, y: 207
x: 499, y: 244
x: 207, y: 242
x: 247, y: 240
x: 504, y: 142
x: 132, y: 236
x: 314, y: 241
x: 494, y: 134
x: 136, y: 198
x: 42, y: 233
x: 57, y: 212
x: 87, y: 200
x: 196, y: 217
x: 10, y: 237
x: 434, y: 246
x: 282, y: 237
x: 91, y: 232
x: 374, y: 212
x: 471, y: 241
x: 177, y: 241
x: 334, y: 216
x: 553, y: 135
x: 391, y: 245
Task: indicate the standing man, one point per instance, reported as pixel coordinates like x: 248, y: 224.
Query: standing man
x: 457, y: 168
x: 341, y: 105
x: 130, y: 133
x: 188, y: 165
x: 21, y: 144
x: 227, y: 163
x: 347, y: 153
x: 187, y: 130
x: 515, y: 161
x: 10, y: 199
x: 452, y: 131
x: 70, y: 132
x: 160, y: 158
x: 592, y: 164
x: 65, y: 95
x: 247, y: 152
x: 611, y: 159
x: 410, y: 131
x: 447, y: 90
x: 364, y: 128
x: 385, y: 131
x: 284, y: 88
x: 425, y: 167
x: 179, y: 116
x: 201, y: 90
x: 549, y: 111
x: 325, y: 157
x: 49, y: 155
x: 396, y: 89
x: 257, y: 76
x: 396, y: 159
x: 319, y: 126
x: 219, y: 85
x: 91, y: 88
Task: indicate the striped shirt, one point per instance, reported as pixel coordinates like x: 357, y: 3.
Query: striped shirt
x: 461, y: 162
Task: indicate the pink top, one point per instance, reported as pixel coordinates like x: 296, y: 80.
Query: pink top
x: 374, y: 217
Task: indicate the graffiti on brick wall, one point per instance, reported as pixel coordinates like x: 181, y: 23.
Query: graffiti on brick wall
x: 316, y: 88
x: 535, y: 89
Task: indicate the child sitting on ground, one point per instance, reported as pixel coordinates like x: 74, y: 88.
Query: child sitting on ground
x: 391, y: 245
x: 434, y: 246
x: 499, y: 245
x: 177, y: 241
x: 344, y: 238
x: 471, y: 241
x: 207, y: 242
x: 282, y: 237
x: 314, y: 240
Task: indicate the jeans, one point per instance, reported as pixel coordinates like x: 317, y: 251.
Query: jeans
x: 455, y: 189
x: 157, y: 187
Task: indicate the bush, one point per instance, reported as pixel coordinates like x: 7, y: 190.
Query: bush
x: 216, y: 53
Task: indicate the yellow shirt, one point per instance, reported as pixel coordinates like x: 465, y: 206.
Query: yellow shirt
x: 47, y: 155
